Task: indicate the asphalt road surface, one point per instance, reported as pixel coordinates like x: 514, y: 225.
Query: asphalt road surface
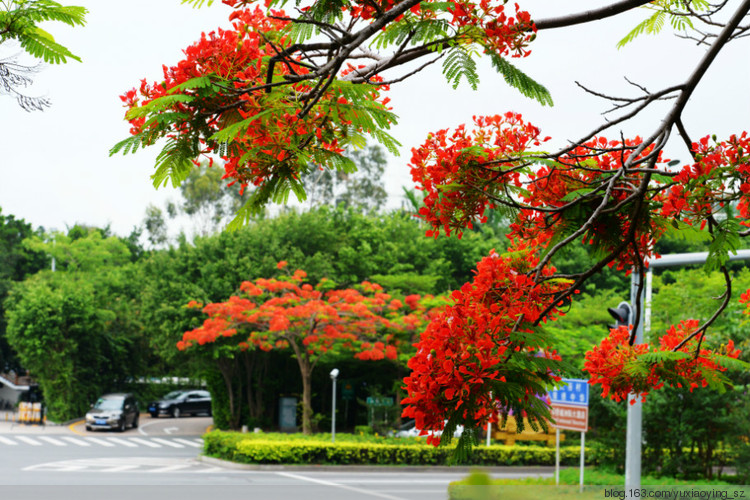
x: 161, y: 460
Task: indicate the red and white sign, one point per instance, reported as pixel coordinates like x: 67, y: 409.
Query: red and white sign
x: 570, y: 417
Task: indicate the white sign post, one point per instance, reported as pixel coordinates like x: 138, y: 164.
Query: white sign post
x: 570, y: 410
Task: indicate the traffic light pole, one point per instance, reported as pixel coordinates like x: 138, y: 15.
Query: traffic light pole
x: 634, y: 434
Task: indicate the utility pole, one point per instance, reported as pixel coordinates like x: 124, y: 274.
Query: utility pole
x: 634, y: 434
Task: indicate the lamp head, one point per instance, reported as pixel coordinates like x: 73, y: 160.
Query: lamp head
x: 334, y: 373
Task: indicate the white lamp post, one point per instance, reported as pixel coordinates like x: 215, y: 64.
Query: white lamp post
x: 334, y: 375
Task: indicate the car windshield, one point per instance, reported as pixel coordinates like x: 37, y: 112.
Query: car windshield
x: 109, y: 404
x: 173, y: 395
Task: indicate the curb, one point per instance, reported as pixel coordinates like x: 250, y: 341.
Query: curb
x: 541, y: 469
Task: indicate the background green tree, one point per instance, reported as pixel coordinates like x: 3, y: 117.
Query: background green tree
x: 77, y: 330
x: 17, y: 261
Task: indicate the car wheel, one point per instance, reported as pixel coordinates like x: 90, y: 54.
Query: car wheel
x: 135, y: 422
x: 176, y: 413
x: 154, y: 415
x: 121, y: 427
x: 88, y: 428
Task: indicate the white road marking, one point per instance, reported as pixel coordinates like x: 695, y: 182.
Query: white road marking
x: 122, y: 442
x: 170, y: 468
x: 337, y: 485
x: 120, y: 468
x: 170, y: 430
x: 414, y: 491
x: 189, y: 443
x: 126, y: 464
x: 99, y: 441
x: 215, y: 469
x: 8, y: 441
x: 75, y: 441
x: 28, y: 440
x: 52, y: 440
x: 168, y: 443
x: 145, y: 442
x: 142, y: 426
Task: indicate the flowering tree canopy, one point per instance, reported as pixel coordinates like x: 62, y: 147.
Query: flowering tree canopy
x: 313, y: 322
x: 281, y: 93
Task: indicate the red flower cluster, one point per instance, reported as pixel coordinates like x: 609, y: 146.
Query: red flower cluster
x: 273, y: 313
x: 720, y: 175
x: 464, y: 173
x: 576, y: 172
x: 271, y: 127
x: 459, y: 171
x: 614, y: 363
x: 473, y: 346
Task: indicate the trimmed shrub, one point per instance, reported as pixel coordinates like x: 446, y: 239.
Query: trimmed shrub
x: 266, y: 449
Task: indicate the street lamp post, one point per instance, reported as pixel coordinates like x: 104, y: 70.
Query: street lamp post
x: 334, y: 375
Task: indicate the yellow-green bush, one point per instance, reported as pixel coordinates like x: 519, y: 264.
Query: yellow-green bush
x: 267, y: 449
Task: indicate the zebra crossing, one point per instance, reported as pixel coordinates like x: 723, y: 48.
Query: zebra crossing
x: 127, y: 464
x: 104, y: 441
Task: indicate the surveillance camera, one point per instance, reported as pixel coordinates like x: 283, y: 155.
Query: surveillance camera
x: 334, y: 373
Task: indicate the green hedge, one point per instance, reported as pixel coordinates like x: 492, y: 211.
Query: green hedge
x: 259, y: 449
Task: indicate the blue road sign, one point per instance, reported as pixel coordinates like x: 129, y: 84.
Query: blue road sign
x: 576, y: 392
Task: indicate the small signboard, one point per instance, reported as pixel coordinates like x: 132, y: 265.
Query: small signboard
x: 576, y: 392
x: 570, y: 405
x: 288, y: 414
x: 347, y: 390
x: 572, y: 418
x: 379, y: 401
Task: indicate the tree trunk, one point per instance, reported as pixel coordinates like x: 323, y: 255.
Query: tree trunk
x: 226, y: 367
x: 305, y: 370
x: 306, y: 399
x: 261, y: 374
x: 248, y: 359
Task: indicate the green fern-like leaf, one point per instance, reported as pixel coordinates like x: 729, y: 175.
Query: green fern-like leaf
x: 129, y: 145
x: 301, y: 32
x: 198, y: 82
x: 45, y: 10
x: 658, y: 357
x: 197, y: 4
x: 460, y: 64
x: 686, y: 232
x: 42, y: 45
x: 174, y: 163
x: 732, y: 363
x: 157, y: 105
x: 652, y: 25
x: 726, y: 239
x: 231, y: 132
x: 521, y: 81
x: 244, y: 215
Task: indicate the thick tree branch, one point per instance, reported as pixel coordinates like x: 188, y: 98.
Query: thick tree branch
x: 589, y: 15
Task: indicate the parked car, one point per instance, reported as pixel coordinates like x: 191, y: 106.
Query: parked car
x: 180, y: 403
x: 113, y: 411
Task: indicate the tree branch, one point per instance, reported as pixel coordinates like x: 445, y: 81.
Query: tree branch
x: 589, y: 15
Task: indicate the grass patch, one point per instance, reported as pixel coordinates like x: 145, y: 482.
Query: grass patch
x: 598, y: 484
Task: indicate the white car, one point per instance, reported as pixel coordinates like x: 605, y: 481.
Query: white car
x: 409, y: 429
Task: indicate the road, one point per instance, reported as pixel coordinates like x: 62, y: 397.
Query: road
x: 161, y: 460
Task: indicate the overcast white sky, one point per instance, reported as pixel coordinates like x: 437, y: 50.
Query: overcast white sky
x: 55, y: 169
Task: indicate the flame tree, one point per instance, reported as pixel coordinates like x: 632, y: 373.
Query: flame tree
x: 313, y: 322
x: 280, y: 92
